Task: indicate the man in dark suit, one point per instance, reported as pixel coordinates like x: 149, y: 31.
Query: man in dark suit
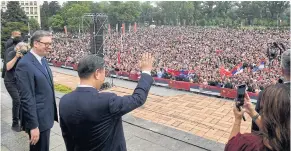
x: 91, y: 120
x: 36, y: 90
x: 285, y: 65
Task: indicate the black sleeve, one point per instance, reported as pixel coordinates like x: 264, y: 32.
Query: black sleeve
x: 254, y: 125
x: 10, y: 56
x: 119, y: 106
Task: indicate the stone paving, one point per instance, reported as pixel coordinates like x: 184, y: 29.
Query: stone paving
x: 201, y: 115
x: 154, y: 137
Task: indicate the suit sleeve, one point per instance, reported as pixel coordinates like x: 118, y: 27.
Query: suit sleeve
x: 25, y: 84
x: 119, y: 106
x: 254, y: 125
x: 67, y: 137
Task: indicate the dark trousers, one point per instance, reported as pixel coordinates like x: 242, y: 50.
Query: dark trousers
x: 43, y: 142
x: 13, y: 92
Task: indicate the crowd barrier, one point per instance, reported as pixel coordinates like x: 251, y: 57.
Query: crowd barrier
x: 181, y: 85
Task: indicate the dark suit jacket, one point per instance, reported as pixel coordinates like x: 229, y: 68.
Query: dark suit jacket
x: 258, y: 107
x: 38, y: 105
x: 91, y: 120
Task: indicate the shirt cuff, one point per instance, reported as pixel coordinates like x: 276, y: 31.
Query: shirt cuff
x: 147, y: 72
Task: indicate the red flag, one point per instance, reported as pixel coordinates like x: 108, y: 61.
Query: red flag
x: 123, y: 28
x: 224, y: 72
x: 118, y: 57
x: 65, y: 28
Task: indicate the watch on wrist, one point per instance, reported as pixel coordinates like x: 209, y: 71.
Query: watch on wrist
x: 254, y: 118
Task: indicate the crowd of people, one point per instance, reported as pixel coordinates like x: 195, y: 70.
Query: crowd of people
x: 201, y: 51
x: 69, y: 48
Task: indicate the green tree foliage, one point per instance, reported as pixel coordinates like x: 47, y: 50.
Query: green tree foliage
x: 33, y: 24
x: 197, y: 13
x: 14, y: 13
x: 44, y: 15
x: 56, y: 22
x: 13, y: 19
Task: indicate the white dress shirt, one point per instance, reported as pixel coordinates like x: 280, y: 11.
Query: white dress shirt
x: 36, y: 56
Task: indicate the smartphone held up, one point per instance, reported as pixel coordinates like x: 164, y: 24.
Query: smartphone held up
x: 241, y: 91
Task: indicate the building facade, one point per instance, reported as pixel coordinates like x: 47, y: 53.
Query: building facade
x: 31, y: 9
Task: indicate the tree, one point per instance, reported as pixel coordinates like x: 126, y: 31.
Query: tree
x: 14, y: 13
x: 73, y: 13
x: 56, y: 22
x: 33, y: 24
x: 44, y: 15
x: 54, y: 7
x: 13, y: 19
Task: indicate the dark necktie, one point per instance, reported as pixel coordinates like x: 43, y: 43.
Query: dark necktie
x: 43, y: 62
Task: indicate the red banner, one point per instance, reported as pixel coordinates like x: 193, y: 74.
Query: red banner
x: 118, y: 57
x: 133, y: 77
x: 228, y: 93
x: 58, y: 64
x: 75, y: 67
x: 109, y: 28
x: 180, y: 85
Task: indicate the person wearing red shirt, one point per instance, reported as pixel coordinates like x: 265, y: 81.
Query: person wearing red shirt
x: 273, y: 122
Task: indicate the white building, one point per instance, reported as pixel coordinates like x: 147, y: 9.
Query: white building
x: 31, y: 8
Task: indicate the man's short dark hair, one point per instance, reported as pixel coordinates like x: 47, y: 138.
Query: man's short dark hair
x: 89, y: 64
x: 37, y: 35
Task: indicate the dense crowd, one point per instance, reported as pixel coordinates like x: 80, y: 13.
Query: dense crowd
x: 69, y: 48
x: 202, y: 51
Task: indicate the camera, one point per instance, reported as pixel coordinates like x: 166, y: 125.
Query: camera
x: 274, y: 50
x: 23, y: 52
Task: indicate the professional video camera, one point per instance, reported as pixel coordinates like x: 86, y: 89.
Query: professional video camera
x: 275, y: 50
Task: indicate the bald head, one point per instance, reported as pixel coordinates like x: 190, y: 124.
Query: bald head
x: 15, y: 33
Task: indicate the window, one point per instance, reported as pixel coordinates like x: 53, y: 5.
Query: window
x: 31, y: 10
x: 31, y: 3
x: 22, y: 3
x: 26, y: 9
x: 35, y: 10
x: 3, y: 3
x: 35, y: 2
x: 26, y: 2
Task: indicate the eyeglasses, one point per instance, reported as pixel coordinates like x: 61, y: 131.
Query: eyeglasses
x: 46, y: 44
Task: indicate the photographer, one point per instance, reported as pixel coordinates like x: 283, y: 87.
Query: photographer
x: 285, y: 65
x: 15, y: 36
x: 274, y: 122
x: 11, y: 61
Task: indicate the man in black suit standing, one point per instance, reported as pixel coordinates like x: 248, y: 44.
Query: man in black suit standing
x: 285, y: 65
x: 36, y: 90
x: 91, y: 120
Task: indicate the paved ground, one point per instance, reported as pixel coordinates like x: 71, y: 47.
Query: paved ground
x: 201, y: 115
x: 141, y: 135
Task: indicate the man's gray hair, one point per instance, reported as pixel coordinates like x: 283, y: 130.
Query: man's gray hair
x: 285, y: 62
x: 37, y: 35
x: 89, y: 64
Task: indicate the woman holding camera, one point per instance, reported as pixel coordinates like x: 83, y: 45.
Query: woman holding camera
x: 273, y: 122
x: 11, y: 61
